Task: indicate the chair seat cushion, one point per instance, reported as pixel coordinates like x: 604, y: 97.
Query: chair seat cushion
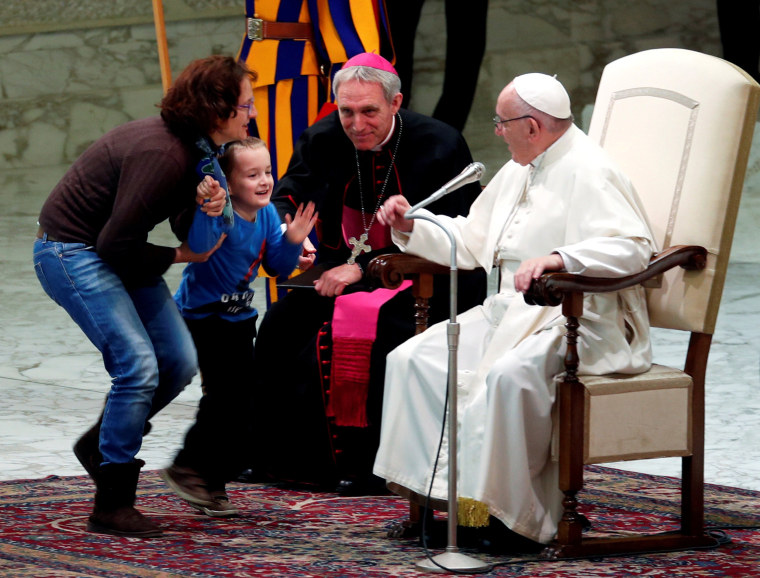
x: 629, y: 417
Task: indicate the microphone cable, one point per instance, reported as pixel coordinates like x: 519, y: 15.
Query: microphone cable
x: 428, y: 496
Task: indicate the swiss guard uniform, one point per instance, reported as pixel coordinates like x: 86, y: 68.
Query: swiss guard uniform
x: 296, y: 46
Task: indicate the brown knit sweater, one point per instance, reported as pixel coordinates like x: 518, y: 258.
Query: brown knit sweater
x: 134, y: 177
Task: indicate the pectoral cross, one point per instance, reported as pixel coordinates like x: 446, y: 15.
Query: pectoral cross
x: 360, y: 247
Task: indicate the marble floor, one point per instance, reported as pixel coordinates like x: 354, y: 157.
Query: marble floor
x: 52, y: 382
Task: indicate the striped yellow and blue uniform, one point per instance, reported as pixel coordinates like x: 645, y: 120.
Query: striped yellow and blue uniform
x: 295, y: 75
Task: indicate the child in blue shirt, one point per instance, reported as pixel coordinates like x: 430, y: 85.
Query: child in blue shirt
x: 216, y: 300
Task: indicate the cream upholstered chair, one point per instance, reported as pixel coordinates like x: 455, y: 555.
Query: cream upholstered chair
x: 680, y: 124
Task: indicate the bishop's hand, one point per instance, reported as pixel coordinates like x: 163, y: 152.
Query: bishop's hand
x: 333, y: 281
x: 308, y: 255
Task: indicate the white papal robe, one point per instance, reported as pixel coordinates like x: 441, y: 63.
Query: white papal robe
x: 573, y: 200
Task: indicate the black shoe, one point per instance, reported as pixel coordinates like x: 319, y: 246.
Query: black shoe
x: 496, y: 538
x: 365, y: 486
x: 252, y: 476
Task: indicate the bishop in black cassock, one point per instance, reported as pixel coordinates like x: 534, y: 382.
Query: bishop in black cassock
x: 300, y: 437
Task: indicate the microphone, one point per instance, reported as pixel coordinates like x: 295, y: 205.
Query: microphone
x: 470, y: 174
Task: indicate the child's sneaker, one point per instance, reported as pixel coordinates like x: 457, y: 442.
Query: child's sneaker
x: 222, y: 507
x: 188, y: 485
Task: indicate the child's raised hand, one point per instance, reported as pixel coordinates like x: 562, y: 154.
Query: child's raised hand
x: 301, y: 224
x: 210, y: 196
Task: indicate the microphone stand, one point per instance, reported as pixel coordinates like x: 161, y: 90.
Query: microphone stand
x: 451, y: 559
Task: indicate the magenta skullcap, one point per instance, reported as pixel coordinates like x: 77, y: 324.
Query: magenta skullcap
x: 371, y: 60
x: 544, y: 93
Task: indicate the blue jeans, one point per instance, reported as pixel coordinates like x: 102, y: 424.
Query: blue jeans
x: 146, y: 346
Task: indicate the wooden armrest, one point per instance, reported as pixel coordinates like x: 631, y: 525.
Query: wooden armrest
x: 391, y: 269
x: 550, y: 289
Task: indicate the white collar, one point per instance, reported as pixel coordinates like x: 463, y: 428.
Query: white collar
x: 387, y: 138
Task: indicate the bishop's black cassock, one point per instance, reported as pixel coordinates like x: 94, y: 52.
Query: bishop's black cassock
x: 297, y: 441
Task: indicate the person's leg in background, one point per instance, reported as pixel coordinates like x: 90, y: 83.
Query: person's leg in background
x: 465, y: 47
x: 404, y: 16
x: 739, y: 23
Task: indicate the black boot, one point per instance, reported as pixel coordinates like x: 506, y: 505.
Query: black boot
x: 114, y: 512
x: 87, y: 448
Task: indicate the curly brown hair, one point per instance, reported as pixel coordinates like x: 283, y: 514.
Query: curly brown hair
x: 203, y: 95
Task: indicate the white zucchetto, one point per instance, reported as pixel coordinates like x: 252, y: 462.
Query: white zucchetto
x: 544, y: 93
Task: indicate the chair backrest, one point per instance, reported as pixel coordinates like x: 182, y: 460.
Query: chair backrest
x: 680, y: 124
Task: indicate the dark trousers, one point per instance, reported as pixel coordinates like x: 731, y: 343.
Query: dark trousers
x: 219, y: 444
x: 292, y: 350
x: 739, y: 22
x: 465, y: 46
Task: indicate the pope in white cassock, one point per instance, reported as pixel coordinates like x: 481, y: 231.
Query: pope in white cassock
x: 559, y: 204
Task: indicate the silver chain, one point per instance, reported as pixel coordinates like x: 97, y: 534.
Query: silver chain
x: 385, y: 184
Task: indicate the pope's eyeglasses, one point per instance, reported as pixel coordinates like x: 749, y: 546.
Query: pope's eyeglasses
x: 499, y: 122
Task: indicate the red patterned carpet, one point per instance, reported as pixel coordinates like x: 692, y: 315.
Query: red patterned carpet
x: 299, y: 533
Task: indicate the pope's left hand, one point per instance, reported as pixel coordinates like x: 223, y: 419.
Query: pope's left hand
x: 531, y: 269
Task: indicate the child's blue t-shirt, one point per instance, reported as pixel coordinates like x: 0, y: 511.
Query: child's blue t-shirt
x: 221, y: 286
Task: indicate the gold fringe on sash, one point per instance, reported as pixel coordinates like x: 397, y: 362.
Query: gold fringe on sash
x: 471, y: 513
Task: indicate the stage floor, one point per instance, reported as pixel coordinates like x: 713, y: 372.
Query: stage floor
x: 52, y: 381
